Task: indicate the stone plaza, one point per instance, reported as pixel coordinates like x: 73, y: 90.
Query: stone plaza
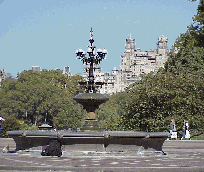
x: 181, y: 155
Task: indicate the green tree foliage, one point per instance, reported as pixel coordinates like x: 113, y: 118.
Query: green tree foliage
x: 109, y: 114
x: 10, y: 123
x: 42, y: 97
x: 190, y: 45
x: 157, y: 98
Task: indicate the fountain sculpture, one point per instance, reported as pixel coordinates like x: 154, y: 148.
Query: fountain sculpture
x: 91, y: 100
x: 90, y: 132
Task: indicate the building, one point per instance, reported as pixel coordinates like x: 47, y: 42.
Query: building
x: 36, y: 68
x: 2, y: 76
x: 67, y: 70
x: 134, y: 63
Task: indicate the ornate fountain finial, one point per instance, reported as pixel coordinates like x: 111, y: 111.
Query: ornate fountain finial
x: 92, y: 59
x: 91, y: 100
x: 91, y: 35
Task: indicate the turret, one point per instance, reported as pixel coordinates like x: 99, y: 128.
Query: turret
x: 162, y: 45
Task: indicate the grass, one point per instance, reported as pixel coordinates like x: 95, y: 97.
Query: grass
x: 194, y: 138
x: 197, y: 138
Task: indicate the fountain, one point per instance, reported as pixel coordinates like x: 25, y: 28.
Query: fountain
x: 91, y: 100
x: 90, y: 133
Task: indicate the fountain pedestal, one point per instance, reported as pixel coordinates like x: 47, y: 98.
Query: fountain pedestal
x: 90, y: 125
x: 90, y: 102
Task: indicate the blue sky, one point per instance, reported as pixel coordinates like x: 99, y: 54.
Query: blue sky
x: 47, y: 33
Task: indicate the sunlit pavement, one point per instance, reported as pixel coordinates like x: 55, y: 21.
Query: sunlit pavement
x: 185, y: 155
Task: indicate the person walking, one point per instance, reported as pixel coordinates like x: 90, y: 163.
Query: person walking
x: 186, y: 133
x: 173, y: 129
x: 1, y: 119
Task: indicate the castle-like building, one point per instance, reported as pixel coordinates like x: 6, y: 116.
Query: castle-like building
x: 134, y: 62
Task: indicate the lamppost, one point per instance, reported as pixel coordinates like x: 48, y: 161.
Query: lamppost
x: 91, y: 60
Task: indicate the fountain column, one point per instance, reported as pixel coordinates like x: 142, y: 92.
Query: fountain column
x: 91, y: 100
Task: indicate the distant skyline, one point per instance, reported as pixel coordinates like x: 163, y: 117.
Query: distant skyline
x: 47, y: 33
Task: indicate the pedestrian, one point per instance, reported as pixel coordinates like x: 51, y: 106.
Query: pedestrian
x: 186, y: 133
x: 173, y: 129
x: 0, y: 130
x: 1, y: 119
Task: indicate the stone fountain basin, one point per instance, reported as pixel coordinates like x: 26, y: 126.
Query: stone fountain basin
x: 90, y: 101
x: 95, y: 96
x: 27, y: 139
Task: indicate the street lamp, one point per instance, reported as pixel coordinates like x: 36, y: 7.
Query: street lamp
x: 91, y: 59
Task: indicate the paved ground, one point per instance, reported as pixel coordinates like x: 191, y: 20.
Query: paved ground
x: 181, y: 156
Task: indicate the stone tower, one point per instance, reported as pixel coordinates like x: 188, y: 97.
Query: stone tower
x: 162, y: 45
x: 130, y: 44
x: 126, y: 58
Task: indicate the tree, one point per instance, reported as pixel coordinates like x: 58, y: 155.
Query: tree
x: 10, y: 123
x: 109, y: 114
x: 157, y: 98
x: 42, y: 97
